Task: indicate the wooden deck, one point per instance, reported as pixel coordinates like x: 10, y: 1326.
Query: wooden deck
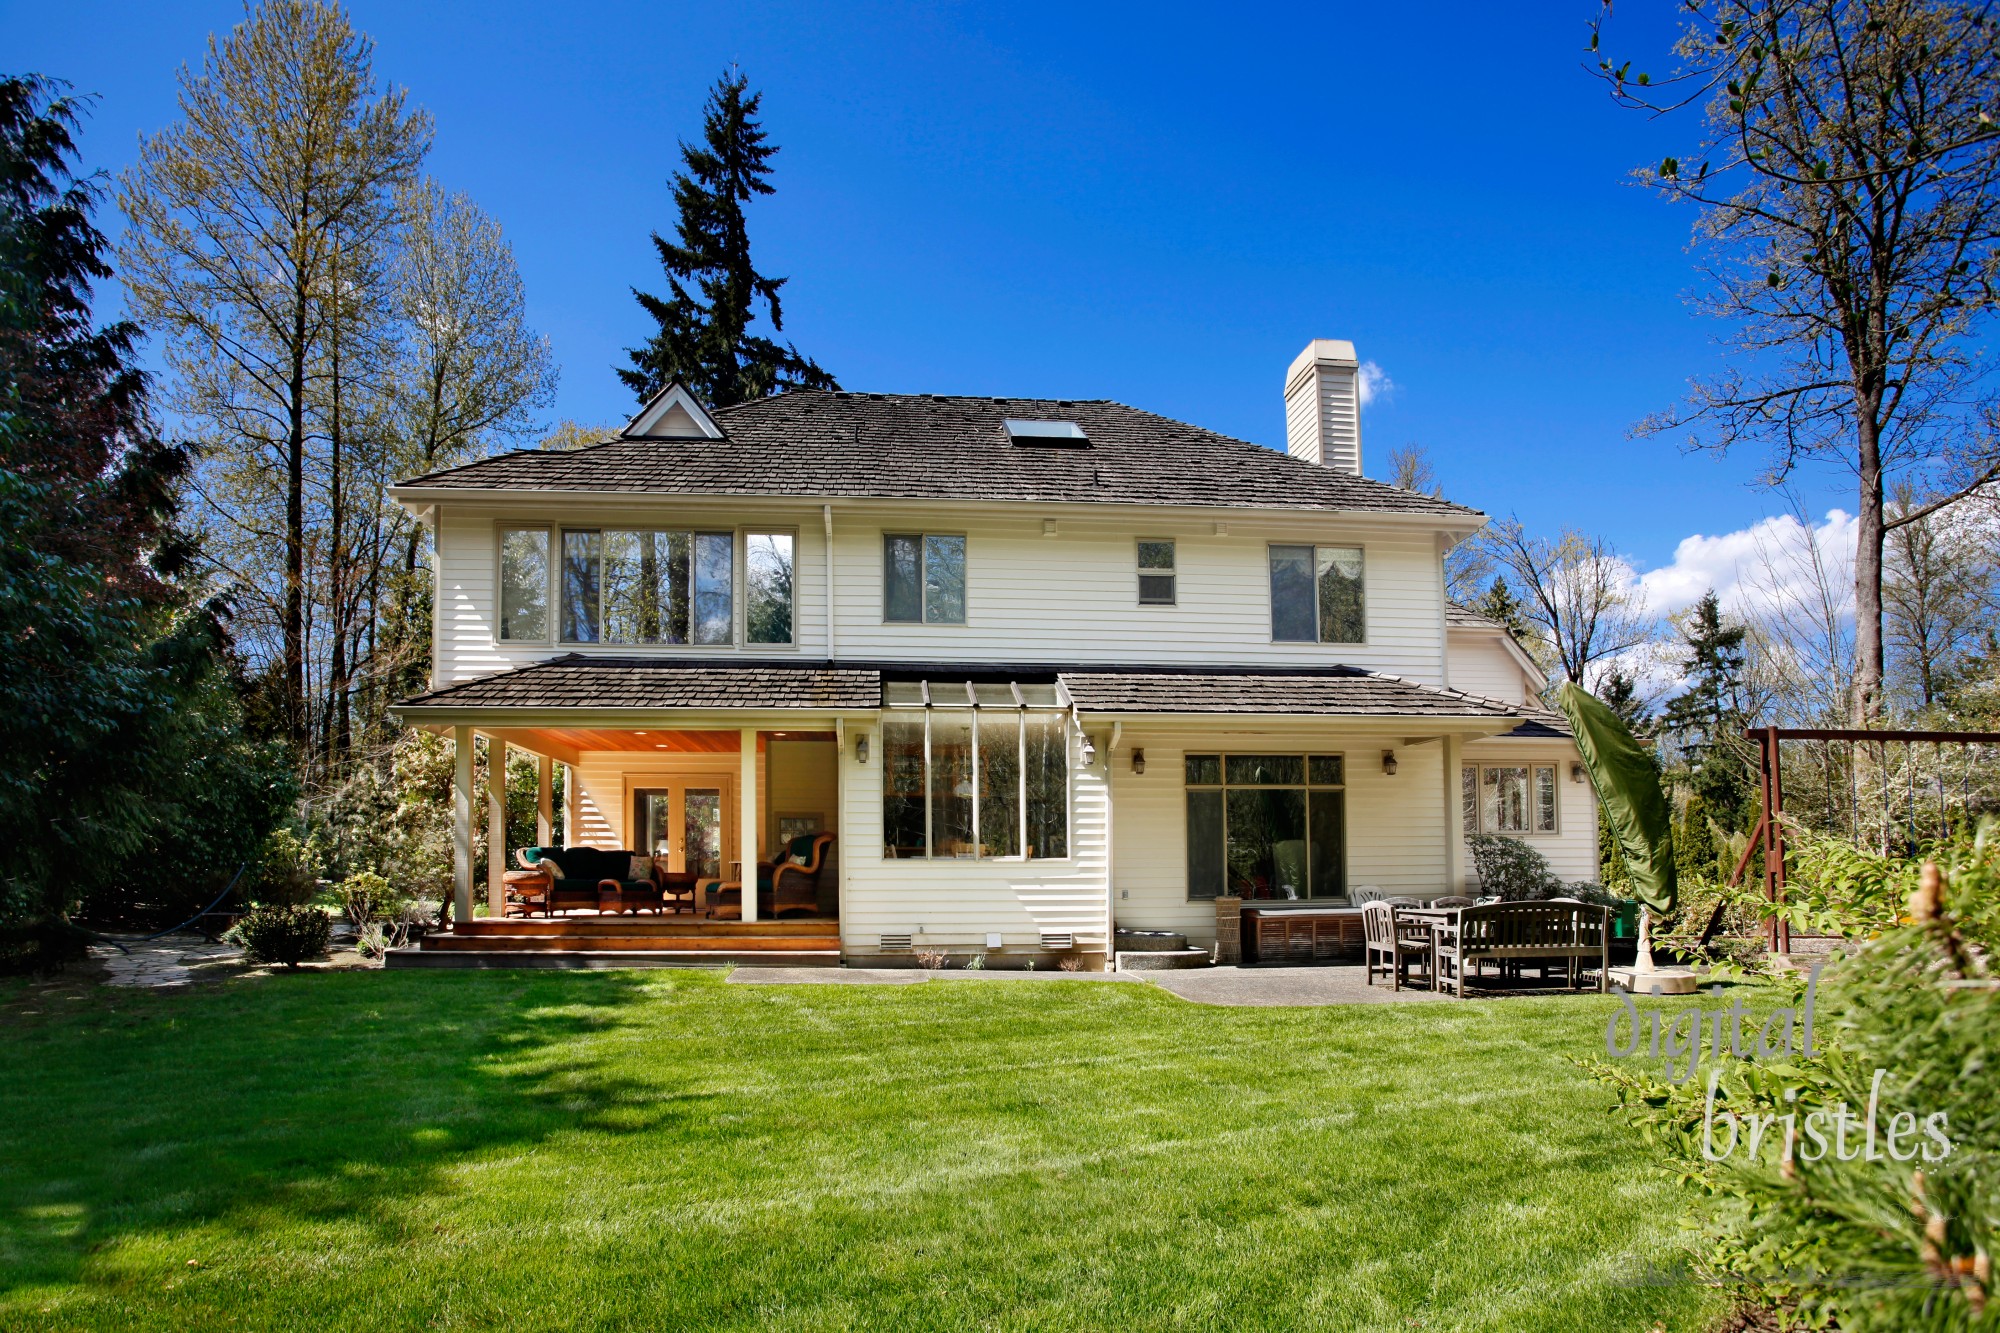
x: 595, y: 941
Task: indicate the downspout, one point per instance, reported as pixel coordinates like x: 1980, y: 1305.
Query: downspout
x: 1444, y: 544
x: 1110, y: 842
x: 826, y: 527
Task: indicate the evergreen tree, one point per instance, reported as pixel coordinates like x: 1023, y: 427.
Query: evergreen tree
x: 119, y: 734
x: 705, y: 339
x: 1619, y: 692
x: 1500, y: 604
x: 1708, y: 718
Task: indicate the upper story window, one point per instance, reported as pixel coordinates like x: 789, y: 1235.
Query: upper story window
x: 767, y: 587
x: 923, y: 579
x: 524, y: 585
x: 646, y: 586
x: 1156, y: 572
x: 1318, y: 594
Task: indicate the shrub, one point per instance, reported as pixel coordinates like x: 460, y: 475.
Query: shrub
x: 934, y: 960
x: 1512, y: 870
x: 368, y: 897
x: 289, y: 935
x: 1871, y: 1242
x: 287, y: 873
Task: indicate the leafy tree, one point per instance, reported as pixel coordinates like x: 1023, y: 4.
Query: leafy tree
x: 255, y: 232
x: 704, y: 338
x: 1848, y: 182
x: 115, y: 717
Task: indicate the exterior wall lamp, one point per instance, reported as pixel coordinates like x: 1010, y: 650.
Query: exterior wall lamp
x: 1138, y: 761
x: 1389, y: 762
x: 861, y: 748
x: 1576, y: 770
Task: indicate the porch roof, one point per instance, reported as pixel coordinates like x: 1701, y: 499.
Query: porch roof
x: 577, y: 681
x: 1330, y: 692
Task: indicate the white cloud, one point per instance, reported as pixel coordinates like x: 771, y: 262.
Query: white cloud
x: 1769, y: 563
x: 1373, y: 382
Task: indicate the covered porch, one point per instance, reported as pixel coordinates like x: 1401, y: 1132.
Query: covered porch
x: 715, y: 789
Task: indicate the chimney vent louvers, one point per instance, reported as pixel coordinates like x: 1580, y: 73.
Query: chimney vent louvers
x: 1323, y: 405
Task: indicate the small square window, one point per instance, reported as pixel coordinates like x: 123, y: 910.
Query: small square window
x: 1156, y: 572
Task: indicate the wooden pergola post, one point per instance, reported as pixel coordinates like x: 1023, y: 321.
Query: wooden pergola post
x: 461, y: 823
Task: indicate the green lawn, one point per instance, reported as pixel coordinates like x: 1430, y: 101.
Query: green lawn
x: 662, y: 1150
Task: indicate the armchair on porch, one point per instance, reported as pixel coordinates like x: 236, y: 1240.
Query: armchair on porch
x: 797, y: 882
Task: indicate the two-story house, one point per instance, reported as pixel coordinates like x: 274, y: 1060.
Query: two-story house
x: 1043, y: 667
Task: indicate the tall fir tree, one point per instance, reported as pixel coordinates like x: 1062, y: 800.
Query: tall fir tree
x: 704, y: 338
x: 1706, y: 720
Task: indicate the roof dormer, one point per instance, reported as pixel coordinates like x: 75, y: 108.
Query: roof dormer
x: 674, y: 413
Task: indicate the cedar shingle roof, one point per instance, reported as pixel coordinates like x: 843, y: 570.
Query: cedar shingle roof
x: 925, y: 447
x: 1334, y: 692
x: 1464, y: 617
x: 576, y: 681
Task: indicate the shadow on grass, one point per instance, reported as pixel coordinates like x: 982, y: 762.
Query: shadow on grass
x: 330, y: 1098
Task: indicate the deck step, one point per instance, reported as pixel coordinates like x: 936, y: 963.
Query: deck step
x: 661, y: 927
x: 608, y: 958
x: 628, y: 943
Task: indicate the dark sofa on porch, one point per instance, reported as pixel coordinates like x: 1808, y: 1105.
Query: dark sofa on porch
x: 585, y: 873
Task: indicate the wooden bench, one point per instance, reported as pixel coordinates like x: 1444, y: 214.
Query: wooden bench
x: 1575, y: 934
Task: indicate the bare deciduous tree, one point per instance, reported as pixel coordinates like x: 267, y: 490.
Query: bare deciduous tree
x: 1937, y: 591
x: 1467, y: 566
x: 1578, y: 595
x: 1849, y: 185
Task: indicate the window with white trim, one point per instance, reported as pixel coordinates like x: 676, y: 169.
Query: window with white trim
x: 923, y: 579
x: 524, y: 585
x: 641, y: 586
x: 1508, y: 798
x: 1318, y: 594
x: 1157, y: 575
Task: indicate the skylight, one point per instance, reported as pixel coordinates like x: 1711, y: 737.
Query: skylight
x: 1022, y: 431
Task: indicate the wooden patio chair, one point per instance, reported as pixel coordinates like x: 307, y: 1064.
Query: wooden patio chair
x: 1399, y: 944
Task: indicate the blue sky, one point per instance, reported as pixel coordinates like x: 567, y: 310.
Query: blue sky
x: 1157, y: 204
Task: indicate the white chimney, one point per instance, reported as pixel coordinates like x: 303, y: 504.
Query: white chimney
x: 1323, y: 405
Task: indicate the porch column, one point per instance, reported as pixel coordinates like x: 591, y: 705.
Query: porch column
x: 461, y: 824
x: 571, y: 797
x: 746, y: 821
x: 1454, y: 820
x: 545, y: 815
x: 496, y: 826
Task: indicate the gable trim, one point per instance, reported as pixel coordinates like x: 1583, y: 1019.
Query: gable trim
x: 674, y: 413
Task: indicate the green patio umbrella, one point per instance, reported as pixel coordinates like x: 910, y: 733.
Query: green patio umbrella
x: 1628, y: 786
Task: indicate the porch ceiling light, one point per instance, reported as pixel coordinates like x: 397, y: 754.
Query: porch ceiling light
x: 1389, y: 762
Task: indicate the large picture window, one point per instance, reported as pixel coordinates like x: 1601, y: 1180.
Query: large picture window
x: 1266, y: 826
x: 1508, y: 798
x: 1318, y: 594
x: 923, y: 579
x: 639, y: 586
x: 964, y: 782
x: 524, y: 585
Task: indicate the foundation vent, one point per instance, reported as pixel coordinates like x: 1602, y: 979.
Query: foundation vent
x: 1058, y: 939
x: 895, y: 944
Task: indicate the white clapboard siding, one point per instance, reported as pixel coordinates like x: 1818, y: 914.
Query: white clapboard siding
x: 1395, y: 825
x: 953, y: 904
x: 1572, y: 849
x: 1071, y: 597
x: 1481, y: 664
